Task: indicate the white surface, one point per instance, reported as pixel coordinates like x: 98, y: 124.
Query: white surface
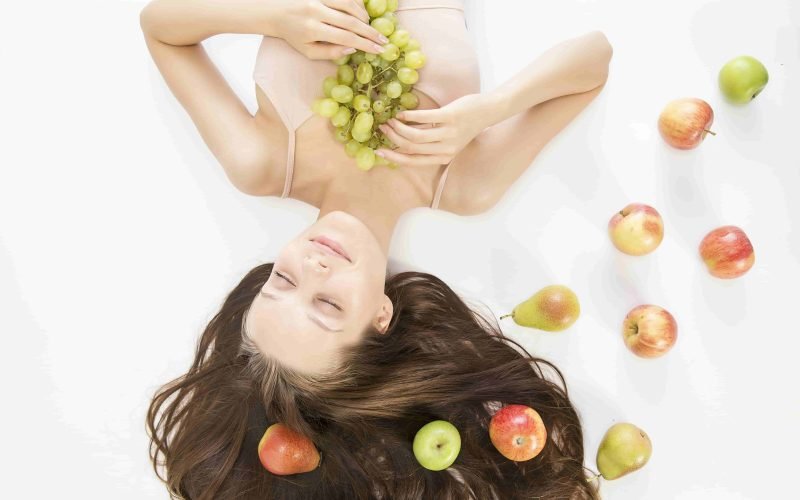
x: 119, y: 237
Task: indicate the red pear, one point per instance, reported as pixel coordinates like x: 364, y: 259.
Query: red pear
x: 283, y: 451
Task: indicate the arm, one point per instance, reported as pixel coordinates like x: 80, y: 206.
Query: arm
x: 174, y: 30
x: 573, y: 66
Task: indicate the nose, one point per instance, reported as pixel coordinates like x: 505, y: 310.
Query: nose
x: 318, y: 263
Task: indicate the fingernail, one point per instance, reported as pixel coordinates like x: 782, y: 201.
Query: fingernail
x: 400, y: 116
x: 383, y: 39
x: 350, y: 50
x: 380, y: 153
x: 378, y: 48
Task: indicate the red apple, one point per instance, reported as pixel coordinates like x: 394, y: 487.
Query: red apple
x: 727, y: 252
x: 684, y: 122
x: 637, y: 229
x: 283, y: 451
x: 518, y: 433
x: 649, y: 331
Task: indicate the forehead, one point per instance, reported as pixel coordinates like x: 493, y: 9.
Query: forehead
x: 284, y: 332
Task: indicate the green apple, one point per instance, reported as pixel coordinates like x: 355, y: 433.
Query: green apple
x: 436, y: 445
x: 742, y: 79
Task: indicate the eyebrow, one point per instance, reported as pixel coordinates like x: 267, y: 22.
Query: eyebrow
x: 313, y: 318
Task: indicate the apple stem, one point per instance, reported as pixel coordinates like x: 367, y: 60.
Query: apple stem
x: 505, y: 316
x: 710, y: 132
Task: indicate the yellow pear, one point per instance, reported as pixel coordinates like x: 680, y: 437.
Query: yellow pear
x: 553, y: 308
x: 625, y: 448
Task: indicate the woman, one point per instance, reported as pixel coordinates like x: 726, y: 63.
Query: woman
x: 320, y: 340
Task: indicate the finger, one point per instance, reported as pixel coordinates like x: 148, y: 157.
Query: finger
x: 353, y: 7
x: 406, y: 146
x: 353, y: 24
x: 332, y: 34
x: 422, y: 116
x: 324, y: 50
x: 418, y: 135
x: 413, y: 160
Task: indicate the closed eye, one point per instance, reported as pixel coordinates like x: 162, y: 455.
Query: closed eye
x: 284, y: 278
x: 331, y: 303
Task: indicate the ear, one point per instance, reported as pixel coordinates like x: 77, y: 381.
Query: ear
x: 384, y: 315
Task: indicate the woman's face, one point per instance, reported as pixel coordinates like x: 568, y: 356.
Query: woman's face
x: 325, y: 290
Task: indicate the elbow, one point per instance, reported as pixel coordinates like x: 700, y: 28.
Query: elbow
x: 144, y: 18
x: 605, y: 52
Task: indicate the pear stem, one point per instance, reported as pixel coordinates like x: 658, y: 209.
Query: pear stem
x: 594, y: 477
x: 506, y: 316
x: 710, y: 132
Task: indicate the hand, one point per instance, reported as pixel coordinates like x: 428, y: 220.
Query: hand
x: 324, y: 29
x: 443, y: 132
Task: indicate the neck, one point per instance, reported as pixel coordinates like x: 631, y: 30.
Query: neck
x: 378, y: 217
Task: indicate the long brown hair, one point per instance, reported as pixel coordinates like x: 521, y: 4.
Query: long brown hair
x: 439, y: 359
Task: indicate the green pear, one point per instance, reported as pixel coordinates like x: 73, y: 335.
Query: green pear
x: 625, y: 448
x: 553, y: 308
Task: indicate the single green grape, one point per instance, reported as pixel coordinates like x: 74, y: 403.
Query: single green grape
x: 342, y: 93
x: 352, y: 147
x: 383, y: 63
x: 342, y: 60
x: 383, y: 25
x: 361, y: 135
x: 391, y: 5
x: 400, y: 38
x: 345, y: 75
x: 390, y: 16
x: 390, y: 52
x: 327, y: 84
x: 407, y: 75
x: 358, y: 57
x: 376, y: 8
x: 384, y: 116
x: 365, y: 157
x: 328, y: 107
x: 342, y: 117
x: 378, y: 105
x: 415, y: 59
x: 342, y: 135
x: 361, y: 103
x: 394, y: 89
x: 409, y: 100
x: 364, y: 121
x: 369, y: 56
x: 364, y: 72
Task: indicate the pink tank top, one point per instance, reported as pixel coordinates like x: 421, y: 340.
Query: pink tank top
x: 292, y: 82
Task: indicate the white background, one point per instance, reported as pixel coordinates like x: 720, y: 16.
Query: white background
x: 120, y: 236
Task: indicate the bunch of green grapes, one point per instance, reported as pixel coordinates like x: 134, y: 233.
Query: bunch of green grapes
x: 370, y: 89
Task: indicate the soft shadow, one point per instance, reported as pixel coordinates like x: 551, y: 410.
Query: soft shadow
x: 725, y: 299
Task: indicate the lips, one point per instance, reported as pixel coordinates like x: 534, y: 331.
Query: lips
x: 332, y: 245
